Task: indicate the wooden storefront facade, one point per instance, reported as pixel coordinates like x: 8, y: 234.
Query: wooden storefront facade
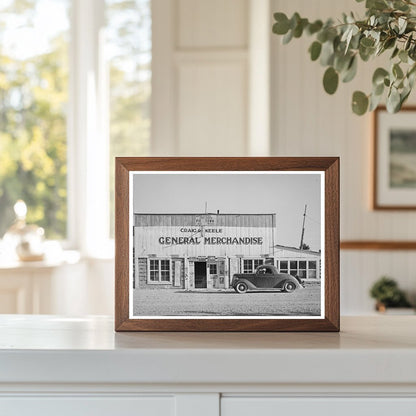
x: 200, y: 251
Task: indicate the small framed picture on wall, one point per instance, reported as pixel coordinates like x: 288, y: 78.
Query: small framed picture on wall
x: 394, y: 178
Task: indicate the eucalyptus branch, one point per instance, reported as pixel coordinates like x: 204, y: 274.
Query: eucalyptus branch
x: 388, y: 25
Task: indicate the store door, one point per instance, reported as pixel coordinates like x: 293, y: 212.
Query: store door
x: 200, y: 268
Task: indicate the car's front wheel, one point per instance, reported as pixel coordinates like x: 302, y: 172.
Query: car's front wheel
x: 241, y: 288
x: 289, y: 287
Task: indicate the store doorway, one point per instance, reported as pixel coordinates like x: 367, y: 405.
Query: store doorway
x: 200, y: 274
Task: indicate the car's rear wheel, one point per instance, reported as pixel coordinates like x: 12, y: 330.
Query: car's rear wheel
x: 241, y: 288
x: 289, y: 287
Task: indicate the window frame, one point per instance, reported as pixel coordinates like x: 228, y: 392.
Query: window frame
x: 252, y: 260
x: 87, y: 133
x: 159, y: 270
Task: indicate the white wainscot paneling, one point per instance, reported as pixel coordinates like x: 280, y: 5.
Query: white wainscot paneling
x: 201, y: 79
x: 267, y: 406
x: 212, y: 108
x: 212, y: 24
x: 87, y: 406
x: 360, y: 269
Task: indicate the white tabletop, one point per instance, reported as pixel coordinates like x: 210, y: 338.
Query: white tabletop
x: 376, y: 349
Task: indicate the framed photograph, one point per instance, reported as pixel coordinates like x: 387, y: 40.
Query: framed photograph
x: 394, y: 159
x: 227, y: 244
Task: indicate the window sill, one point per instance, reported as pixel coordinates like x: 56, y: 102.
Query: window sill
x: 63, y: 258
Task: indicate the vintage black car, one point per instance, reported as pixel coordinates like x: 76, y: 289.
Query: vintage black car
x: 266, y: 277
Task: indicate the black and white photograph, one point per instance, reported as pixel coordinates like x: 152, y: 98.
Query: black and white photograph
x: 226, y: 244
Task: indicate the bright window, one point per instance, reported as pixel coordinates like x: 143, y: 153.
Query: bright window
x: 75, y: 88
x: 33, y: 112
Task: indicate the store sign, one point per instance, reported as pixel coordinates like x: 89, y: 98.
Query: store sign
x: 198, y: 236
x: 211, y: 240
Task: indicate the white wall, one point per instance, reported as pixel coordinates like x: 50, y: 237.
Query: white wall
x: 308, y: 122
x: 200, y: 78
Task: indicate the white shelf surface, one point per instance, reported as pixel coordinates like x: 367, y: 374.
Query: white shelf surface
x: 53, y: 349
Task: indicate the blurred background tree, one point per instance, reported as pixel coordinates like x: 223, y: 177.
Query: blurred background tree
x: 33, y: 97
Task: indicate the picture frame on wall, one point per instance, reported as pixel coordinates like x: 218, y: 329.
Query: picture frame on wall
x: 394, y: 152
x: 227, y: 244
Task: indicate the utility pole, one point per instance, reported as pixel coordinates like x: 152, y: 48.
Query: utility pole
x: 303, y: 229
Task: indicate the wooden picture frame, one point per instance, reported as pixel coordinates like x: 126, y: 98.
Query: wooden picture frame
x: 394, y: 184
x: 135, y: 178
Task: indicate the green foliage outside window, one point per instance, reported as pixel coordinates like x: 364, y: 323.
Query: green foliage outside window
x: 33, y: 99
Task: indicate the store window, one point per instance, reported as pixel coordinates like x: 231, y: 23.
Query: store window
x: 283, y: 266
x: 154, y: 270
x: 164, y: 271
x: 312, y: 270
x: 247, y: 266
x: 250, y: 265
x: 302, y: 270
x: 159, y: 270
x: 213, y: 268
x: 293, y: 267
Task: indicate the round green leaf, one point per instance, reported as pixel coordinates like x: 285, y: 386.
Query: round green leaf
x: 298, y: 30
x: 379, y: 75
x: 315, y: 50
x: 359, y: 103
x: 281, y: 27
x: 314, y: 27
x: 330, y: 80
x: 366, y: 53
x: 367, y: 42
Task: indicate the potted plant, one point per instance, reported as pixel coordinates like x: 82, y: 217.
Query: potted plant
x: 387, y: 294
x: 389, y: 27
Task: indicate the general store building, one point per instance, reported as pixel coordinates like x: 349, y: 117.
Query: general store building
x: 203, y: 251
